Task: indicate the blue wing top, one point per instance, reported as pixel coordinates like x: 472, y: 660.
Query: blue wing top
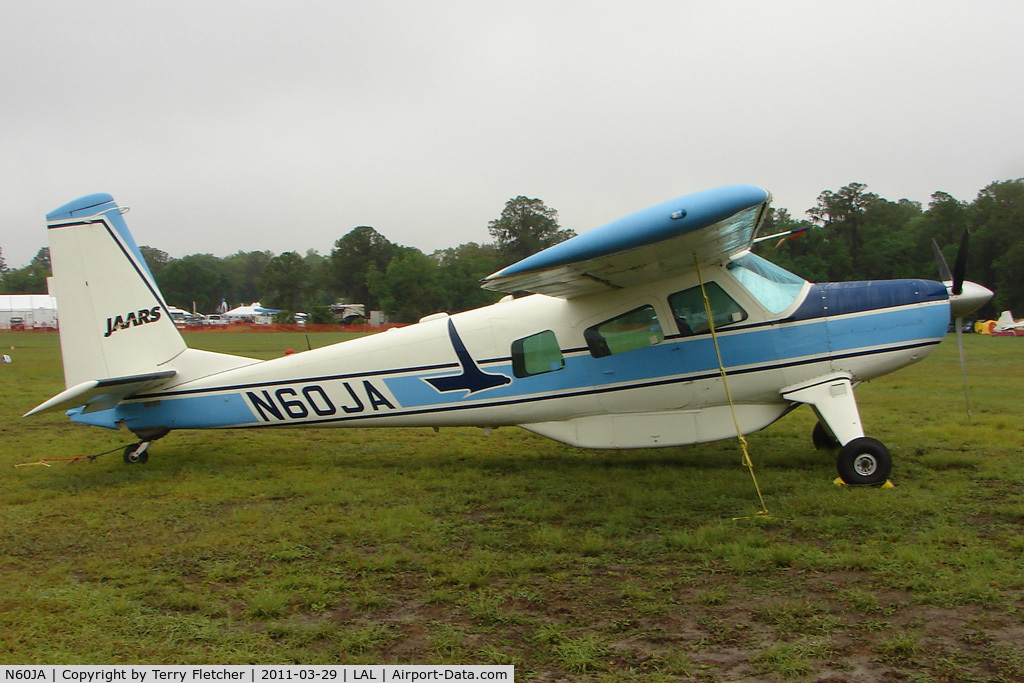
x: 647, y: 245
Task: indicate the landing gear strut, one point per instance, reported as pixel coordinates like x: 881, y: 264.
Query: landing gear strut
x: 137, y: 453
x: 862, y: 461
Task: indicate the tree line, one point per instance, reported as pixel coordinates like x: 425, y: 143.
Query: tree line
x: 850, y: 234
x: 363, y: 267
x: 853, y: 234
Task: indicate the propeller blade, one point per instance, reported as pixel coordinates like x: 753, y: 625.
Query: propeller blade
x: 961, y: 265
x: 963, y: 363
x: 961, y: 304
x: 940, y: 261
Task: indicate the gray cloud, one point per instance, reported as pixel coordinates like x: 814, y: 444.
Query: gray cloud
x: 258, y: 125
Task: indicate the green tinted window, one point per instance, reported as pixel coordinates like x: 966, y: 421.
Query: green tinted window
x: 536, y: 354
x: 691, y: 316
x: 634, y: 330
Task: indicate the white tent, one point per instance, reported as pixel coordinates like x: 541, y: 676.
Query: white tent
x: 35, y: 310
x: 254, y: 312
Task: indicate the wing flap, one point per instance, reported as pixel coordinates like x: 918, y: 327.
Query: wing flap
x: 642, y: 247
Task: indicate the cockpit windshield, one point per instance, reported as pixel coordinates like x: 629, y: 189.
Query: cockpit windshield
x: 774, y: 287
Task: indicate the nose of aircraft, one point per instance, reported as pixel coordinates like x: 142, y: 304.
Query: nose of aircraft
x: 972, y: 297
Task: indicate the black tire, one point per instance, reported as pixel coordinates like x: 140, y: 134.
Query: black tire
x: 823, y: 439
x: 864, y: 462
x: 133, y: 457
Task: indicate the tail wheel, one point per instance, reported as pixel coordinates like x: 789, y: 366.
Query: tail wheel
x: 137, y: 453
x: 864, y: 462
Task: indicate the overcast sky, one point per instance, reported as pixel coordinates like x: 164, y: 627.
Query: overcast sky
x: 245, y: 125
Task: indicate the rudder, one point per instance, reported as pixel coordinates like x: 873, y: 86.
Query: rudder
x: 113, y: 320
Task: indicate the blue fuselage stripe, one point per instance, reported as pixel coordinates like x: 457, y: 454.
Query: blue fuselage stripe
x: 781, y: 345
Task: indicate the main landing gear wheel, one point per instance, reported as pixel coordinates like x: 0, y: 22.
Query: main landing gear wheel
x: 137, y: 453
x: 864, y: 462
x: 823, y: 439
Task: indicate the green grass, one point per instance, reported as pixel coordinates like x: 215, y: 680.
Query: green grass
x: 406, y: 546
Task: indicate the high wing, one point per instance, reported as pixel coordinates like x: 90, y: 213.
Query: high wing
x: 645, y: 246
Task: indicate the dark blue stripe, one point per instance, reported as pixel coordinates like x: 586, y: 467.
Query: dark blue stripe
x: 589, y: 392
x: 212, y: 417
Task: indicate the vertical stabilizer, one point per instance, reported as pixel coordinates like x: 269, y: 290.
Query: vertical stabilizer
x: 113, y: 320
x: 1005, y: 320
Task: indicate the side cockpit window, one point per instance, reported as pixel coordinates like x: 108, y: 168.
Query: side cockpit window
x: 691, y: 315
x: 636, y: 329
x: 536, y: 354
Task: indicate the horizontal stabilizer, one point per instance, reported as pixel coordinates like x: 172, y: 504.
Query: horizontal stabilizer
x: 645, y: 246
x: 102, y: 394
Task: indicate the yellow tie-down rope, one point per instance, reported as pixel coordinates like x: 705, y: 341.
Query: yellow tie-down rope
x: 747, y: 462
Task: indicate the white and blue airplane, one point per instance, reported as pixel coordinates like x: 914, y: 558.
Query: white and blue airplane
x: 613, y: 348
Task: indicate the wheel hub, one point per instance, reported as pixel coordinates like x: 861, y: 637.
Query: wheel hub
x: 865, y: 465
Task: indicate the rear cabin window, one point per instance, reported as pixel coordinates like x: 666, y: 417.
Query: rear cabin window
x: 536, y: 354
x: 634, y: 330
x: 691, y: 316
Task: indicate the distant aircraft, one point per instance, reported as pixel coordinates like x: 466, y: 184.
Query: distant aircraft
x: 614, y: 348
x: 1006, y: 326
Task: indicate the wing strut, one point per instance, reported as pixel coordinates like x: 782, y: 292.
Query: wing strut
x: 763, y: 512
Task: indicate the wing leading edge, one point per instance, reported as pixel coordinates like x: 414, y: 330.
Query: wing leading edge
x: 645, y: 246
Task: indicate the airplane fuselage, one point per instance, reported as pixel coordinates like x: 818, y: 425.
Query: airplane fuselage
x: 632, y: 368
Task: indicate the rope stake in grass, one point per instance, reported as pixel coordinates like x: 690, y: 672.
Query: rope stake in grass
x: 747, y: 462
x: 45, y: 462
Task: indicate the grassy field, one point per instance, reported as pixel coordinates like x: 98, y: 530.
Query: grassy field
x: 409, y: 546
